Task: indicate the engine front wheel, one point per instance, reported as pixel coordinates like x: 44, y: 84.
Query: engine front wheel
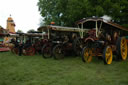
x: 87, y: 54
x: 107, y: 55
x: 46, y: 51
x: 29, y: 51
x: 58, y: 52
x: 16, y: 50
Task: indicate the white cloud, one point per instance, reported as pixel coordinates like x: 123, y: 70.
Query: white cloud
x: 24, y: 12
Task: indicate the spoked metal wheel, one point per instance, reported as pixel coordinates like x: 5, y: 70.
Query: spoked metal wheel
x: 58, y: 52
x: 12, y: 49
x: 46, y: 51
x: 122, y: 48
x: 87, y: 54
x: 107, y: 55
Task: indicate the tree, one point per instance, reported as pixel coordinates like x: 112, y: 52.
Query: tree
x: 19, y: 31
x: 41, y: 22
x: 31, y: 31
x: 1, y: 26
x: 66, y: 12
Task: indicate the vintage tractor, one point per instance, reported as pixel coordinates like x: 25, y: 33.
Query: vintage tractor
x: 104, y: 38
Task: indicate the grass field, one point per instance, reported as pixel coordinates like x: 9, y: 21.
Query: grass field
x: 34, y: 70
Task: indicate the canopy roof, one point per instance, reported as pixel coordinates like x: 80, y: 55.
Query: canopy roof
x: 106, y: 22
x: 22, y: 34
x: 59, y: 28
x: 4, y: 34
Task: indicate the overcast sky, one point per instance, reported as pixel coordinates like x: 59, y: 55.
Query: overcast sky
x: 24, y: 13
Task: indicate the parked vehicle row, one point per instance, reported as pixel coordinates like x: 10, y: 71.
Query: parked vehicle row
x: 93, y: 37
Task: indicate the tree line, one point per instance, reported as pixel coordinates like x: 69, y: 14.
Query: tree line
x: 67, y: 12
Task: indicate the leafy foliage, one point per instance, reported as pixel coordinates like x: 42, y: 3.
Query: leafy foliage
x: 66, y: 12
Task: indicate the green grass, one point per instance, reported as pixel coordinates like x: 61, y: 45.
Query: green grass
x: 34, y: 70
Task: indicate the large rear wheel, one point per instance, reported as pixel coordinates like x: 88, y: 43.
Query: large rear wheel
x: 107, y: 55
x: 87, y: 54
x: 122, y: 48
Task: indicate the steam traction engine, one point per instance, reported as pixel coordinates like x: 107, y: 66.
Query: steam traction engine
x: 61, y: 41
x: 104, y: 38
